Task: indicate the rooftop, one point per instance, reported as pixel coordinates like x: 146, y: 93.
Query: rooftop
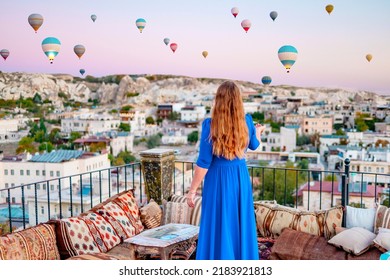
x: 57, y: 156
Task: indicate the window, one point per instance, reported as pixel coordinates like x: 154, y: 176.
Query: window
x: 369, y: 169
x: 38, y: 187
x: 52, y: 187
x: 12, y: 185
x: 43, y: 172
x: 37, y: 172
x: 29, y: 187
x: 12, y: 172
x: 51, y: 173
x: 42, y: 210
x: 58, y: 174
x: 13, y: 200
x: 44, y: 186
x: 5, y: 171
x: 21, y: 172
x: 382, y: 169
x: 6, y: 185
x: 28, y: 172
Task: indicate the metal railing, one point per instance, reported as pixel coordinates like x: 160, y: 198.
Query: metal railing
x: 62, y: 197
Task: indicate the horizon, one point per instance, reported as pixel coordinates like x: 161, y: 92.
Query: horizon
x: 331, y: 47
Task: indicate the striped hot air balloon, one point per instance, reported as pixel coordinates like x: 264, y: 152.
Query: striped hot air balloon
x: 35, y: 20
x: 4, y: 53
x: 287, y: 56
x: 266, y: 80
x: 246, y: 24
x: 140, y: 23
x: 51, y: 47
x: 79, y: 50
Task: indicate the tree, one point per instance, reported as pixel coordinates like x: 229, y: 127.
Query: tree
x: 26, y: 144
x: 74, y: 135
x: 55, y: 136
x: 174, y: 116
x: 37, y: 98
x: 97, y: 147
x: 153, y: 141
x: 47, y: 146
x: 124, y: 127
x: 127, y: 157
x: 149, y: 120
x: 258, y: 117
x: 193, y: 137
x: 340, y: 131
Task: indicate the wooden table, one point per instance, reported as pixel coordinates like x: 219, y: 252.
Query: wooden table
x: 166, y: 241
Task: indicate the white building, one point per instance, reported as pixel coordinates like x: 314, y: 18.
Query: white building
x: 285, y: 141
x: 11, y: 129
x: 28, y: 169
x: 90, y: 124
x: 329, y: 140
x: 174, y: 138
x: 192, y: 113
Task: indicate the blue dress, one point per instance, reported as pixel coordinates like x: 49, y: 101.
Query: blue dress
x: 227, y: 225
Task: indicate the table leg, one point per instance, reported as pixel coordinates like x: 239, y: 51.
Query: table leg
x: 164, y: 255
x: 132, y: 252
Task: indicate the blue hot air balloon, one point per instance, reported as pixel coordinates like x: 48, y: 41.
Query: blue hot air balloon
x: 287, y: 56
x: 273, y: 15
x: 51, y: 47
x: 166, y: 41
x: 82, y: 71
x: 266, y: 80
x: 140, y: 23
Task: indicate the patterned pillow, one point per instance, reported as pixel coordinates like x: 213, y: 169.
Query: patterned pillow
x: 333, y: 219
x: 74, y: 238
x: 103, y: 232
x: 262, y: 212
x: 118, y: 219
x: 311, y: 222
x: 175, y: 212
x: 382, y: 218
x: 195, y: 212
x: 34, y: 243
x: 354, y: 240
x: 382, y: 240
x: 151, y: 214
x: 129, y: 205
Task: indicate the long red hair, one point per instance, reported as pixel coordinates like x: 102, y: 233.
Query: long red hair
x: 229, y: 132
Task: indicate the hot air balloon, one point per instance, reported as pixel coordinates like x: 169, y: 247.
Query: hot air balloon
x: 234, y: 11
x: 369, y: 57
x: 93, y: 17
x: 287, y: 56
x: 246, y: 24
x: 273, y: 15
x: 266, y: 80
x: 35, y: 20
x: 51, y: 47
x: 329, y: 8
x: 205, y: 54
x: 79, y: 50
x: 140, y: 23
x: 173, y: 47
x: 166, y: 41
x: 82, y: 71
x: 4, y: 53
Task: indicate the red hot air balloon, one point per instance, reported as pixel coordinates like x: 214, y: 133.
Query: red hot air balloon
x: 246, y: 24
x: 234, y: 11
x: 173, y: 47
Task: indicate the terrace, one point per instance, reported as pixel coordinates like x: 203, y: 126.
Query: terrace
x: 158, y: 175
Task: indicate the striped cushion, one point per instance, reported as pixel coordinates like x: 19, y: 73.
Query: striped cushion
x: 35, y: 243
x: 175, y: 212
x: 151, y: 214
x: 382, y: 218
x: 195, y: 212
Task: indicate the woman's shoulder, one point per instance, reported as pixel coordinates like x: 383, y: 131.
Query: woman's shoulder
x: 206, y: 121
x: 248, y: 118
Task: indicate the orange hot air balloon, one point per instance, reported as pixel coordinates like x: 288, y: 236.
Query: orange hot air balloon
x: 329, y: 8
x: 205, y: 54
x: 369, y: 57
x: 173, y: 47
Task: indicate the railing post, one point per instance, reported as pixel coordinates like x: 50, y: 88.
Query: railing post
x: 157, y: 169
x: 345, y: 189
x: 346, y: 172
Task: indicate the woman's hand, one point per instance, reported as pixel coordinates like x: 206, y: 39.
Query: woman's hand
x: 190, y: 198
x: 259, y: 130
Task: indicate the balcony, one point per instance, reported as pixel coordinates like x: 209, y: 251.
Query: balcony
x: 31, y: 204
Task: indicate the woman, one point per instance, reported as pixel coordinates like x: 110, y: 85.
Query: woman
x: 227, y: 225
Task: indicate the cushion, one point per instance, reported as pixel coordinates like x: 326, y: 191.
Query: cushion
x: 354, y: 240
x: 311, y: 222
x: 360, y: 217
x: 34, y: 243
x: 195, y: 212
x: 151, y: 214
x: 382, y: 240
x: 102, y: 231
x: 382, y: 218
x: 175, y: 212
x: 74, y: 238
x: 333, y: 219
x: 297, y: 245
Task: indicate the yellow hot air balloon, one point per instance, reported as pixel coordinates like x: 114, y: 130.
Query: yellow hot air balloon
x: 369, y: 57
x: 329, y: 8
x: 205, y: 54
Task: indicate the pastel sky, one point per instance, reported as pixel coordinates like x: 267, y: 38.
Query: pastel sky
x: 331, y: 48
